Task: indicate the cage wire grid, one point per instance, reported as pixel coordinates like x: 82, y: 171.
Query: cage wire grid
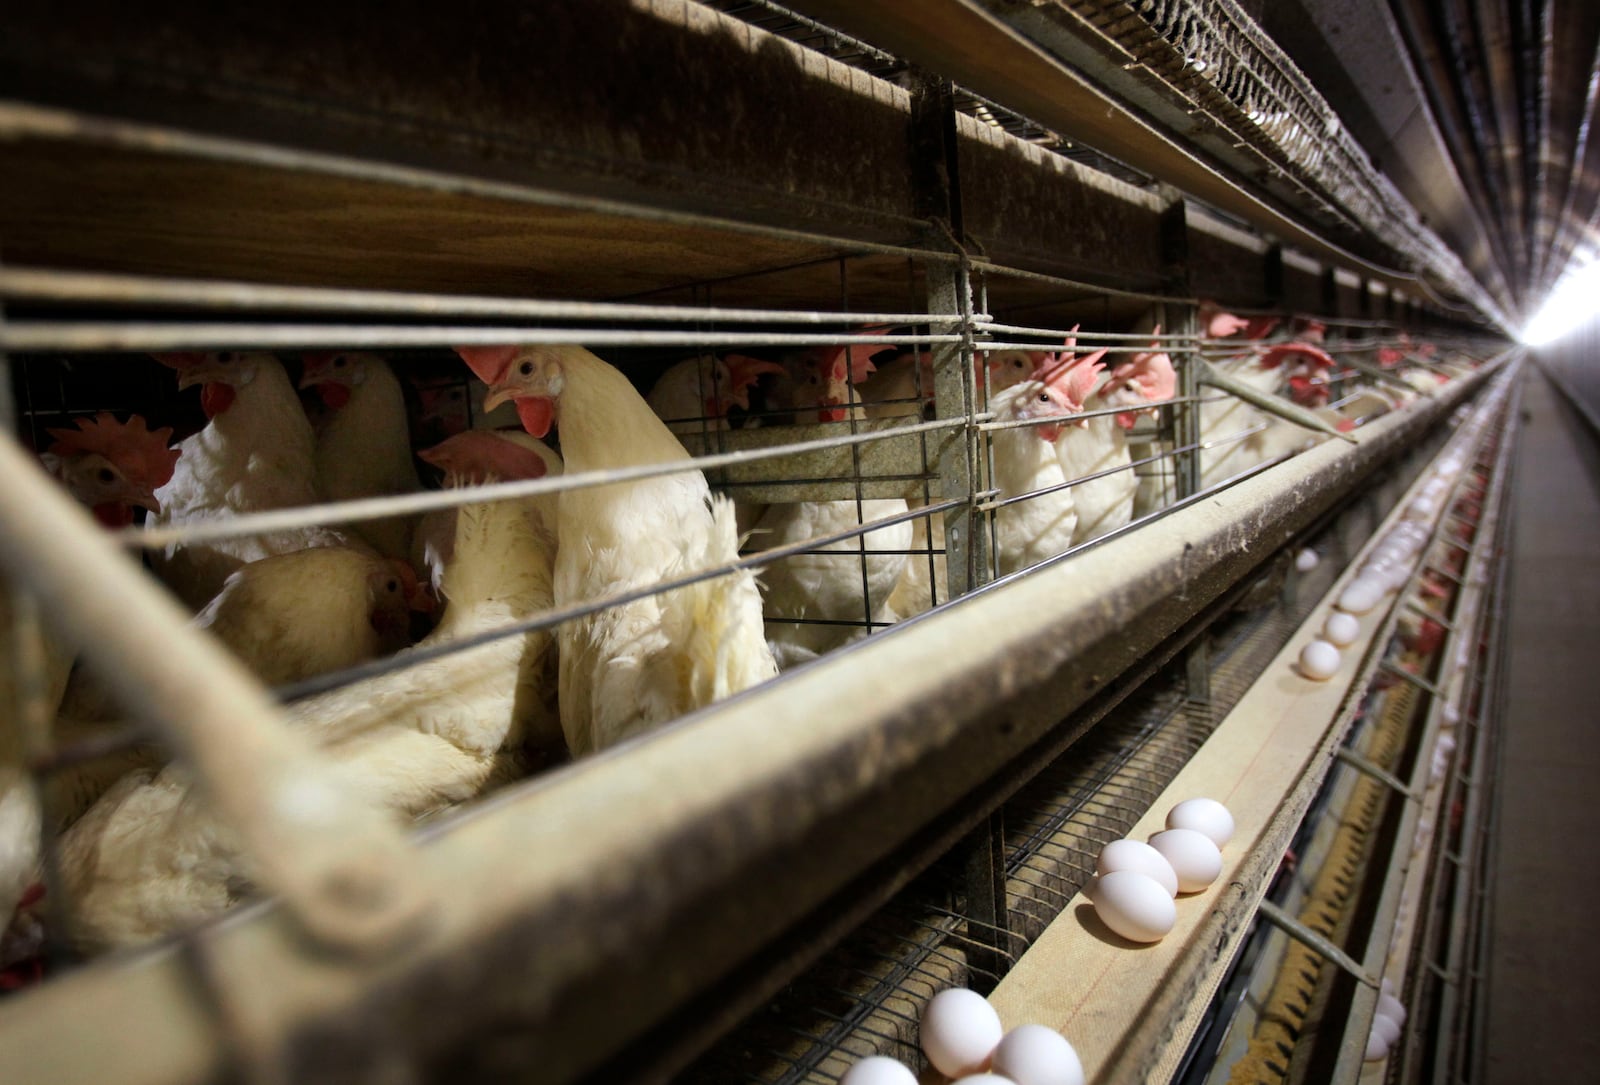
x: 636, y: 346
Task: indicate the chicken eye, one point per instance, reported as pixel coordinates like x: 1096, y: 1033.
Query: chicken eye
x: 392, y: 586
x: 1044, y: 397
x: 338, y: 362
x: 526, y: 369
x: 105, y: 475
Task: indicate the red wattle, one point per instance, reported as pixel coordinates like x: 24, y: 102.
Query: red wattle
x: 113, y: 514
x: 216, y: 397
x: 334, y: 395
x: 538, y: 414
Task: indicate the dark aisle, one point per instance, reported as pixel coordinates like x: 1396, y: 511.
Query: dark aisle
x: 1545, y: 951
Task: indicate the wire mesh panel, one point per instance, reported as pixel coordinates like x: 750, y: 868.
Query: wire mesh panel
x: 579, y: 519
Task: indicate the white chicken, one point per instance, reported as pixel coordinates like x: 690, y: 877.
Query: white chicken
x: 846, y: 582
x: 110, y: 467
x: 695, y: 395
x: 1024, y: 459
x: 926, y: 577
x: 257, y: 453
x: 363, y: 445
x: 898, y: 388
x: 288, y: 618
x: 631, y: 667
x: 1224, y: 418
x: 1101, y: 443
x: 149, y: 856
x: 293, y: 616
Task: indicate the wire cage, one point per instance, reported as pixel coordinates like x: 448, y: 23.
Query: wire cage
x: 947, y: 395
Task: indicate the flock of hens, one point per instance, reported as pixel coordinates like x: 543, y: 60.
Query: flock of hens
x: 139, y: 856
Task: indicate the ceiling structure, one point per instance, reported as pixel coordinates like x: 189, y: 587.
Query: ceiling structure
x: 1481, y: 113
x: 1444, y: 142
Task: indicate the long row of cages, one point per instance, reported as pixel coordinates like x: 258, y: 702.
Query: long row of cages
x: 626, y: 642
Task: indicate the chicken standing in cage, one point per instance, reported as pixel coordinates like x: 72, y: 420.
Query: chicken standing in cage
x: 629, y: 667
x: 843, y: 586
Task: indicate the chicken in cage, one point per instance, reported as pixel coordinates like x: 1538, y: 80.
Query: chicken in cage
x: 679, y: 533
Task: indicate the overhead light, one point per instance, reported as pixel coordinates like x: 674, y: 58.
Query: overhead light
x: 1574, y: 302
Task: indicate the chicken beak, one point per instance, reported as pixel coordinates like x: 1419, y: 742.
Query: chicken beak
x: 205, y: 373
x: 497, y: 395
x: 145, y: 499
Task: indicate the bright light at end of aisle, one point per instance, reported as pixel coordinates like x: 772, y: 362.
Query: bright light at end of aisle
x: 1574, y: 302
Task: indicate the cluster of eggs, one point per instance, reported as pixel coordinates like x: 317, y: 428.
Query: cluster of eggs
x: 962, y: 1036
x: 1386, y: 1024
x: 1387, y: 569
x: 1137, y: 884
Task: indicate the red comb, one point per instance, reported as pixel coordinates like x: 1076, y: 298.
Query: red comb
x: 1275, y: 356
x: 141, y: 455
x: 858, y: 355
x: 489, y: 363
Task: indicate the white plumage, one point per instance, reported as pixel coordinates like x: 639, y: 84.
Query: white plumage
x: 364, y: 444
x: 257, y: 453
x: 150, y: 856
x: 838, y: 583
x: 628, y: 668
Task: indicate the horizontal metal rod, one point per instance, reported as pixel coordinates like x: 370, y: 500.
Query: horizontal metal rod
x: 549, y: 619
x: 1318, y: 944
x: 27, y: 121
x: 987, y: 267
x: 43, y: 285
x: 374, y: 508
x: 1376, y: 771
x: 342, y: 867
x: 41, y: 336
x: 852, y: 758
x: 982, y: 324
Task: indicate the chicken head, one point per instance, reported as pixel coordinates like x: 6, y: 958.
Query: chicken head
x: 334, y: 374
x: 529, y: 376
x: 113, y: 467
x: 219, y: 375
x: 1146, y: 377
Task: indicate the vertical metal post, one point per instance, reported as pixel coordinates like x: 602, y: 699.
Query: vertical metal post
x: 1182, y: 319
x: 937, y: 187
x: 966, y: 543
x: 936, y: 184
x: 988, y: 924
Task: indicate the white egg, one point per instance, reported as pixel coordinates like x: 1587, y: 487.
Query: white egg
x: 1319, y: 661
x: 1134, y: 905
x: 984, y: 1079
x: 960, y: 1030
x: 1306, y: 560
x: 1194, y: 856
x: 879, y: 1070
x: 1422, y: 508
x: 1341, y: 629
x: 1360, y: 595
x: 1391, y: 1007
x: 1137, y: 856
x: 1386, y: 986
x: 1450, y: 716
x: 1036, y: 1055
x: 1206, y: 816
x: 1387, y: 1028
x: 1376, y: 1048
